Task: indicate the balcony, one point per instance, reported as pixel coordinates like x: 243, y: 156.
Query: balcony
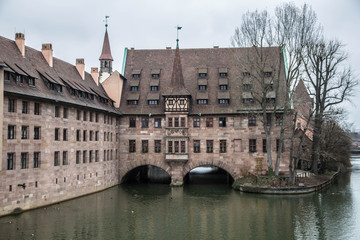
x: 177, y: 157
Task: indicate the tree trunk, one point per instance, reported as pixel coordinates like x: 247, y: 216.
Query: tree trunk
x: 316, y: 143
x: 291, y: 154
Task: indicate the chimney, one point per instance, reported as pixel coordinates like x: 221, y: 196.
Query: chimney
x: 80, y: 66
x: 20, y: 42
x: 95, y: 75
x: 47, y: 52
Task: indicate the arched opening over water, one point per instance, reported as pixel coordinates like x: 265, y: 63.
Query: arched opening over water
x: 147, y: 174
x: 208, y: 174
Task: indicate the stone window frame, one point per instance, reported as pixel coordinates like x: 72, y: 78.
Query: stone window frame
x: 24, y: 107
x: 78, y: 156
x: 252, y: 145
x: 157, y: 146
x: 57, y: 134
x: 222, y: 145
x: 132, y: 145
x: 182, y: 122
x: 37, y: 108
x: 144, y: 122
x: 12, y: 105
x: 132, y: 122
x: 65, y: 158
x: 196, y: 122
x: 24, y: 132
x: 11, y: 132
x: 264, y: 145
x: 84, y: 156
x: 56, y: 158
x: 251, y: 120
x: 209, y: 122
x: 10, y: 160
x: 157, y: 122
x: 196, y: 146
x: 209, y: 146
x: 36, y: 159
x: 222, y: 121
x: 145, y: 146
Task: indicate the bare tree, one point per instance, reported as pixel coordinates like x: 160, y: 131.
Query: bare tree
x: 331, y: 82
x: 289, y: 30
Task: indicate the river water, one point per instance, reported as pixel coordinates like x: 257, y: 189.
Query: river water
x: 196, y: 211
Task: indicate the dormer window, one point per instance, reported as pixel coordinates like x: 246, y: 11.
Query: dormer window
x: 223, y: 72
x: 202, y: 101
x: 246, y: 74
x: 247, y: 87
x: 6, y: 76
x: 132, y: 102
x: 223, y: 87
x: 136, y: 75
x: 31, y: 82
x: 134, y: 88
x: 155, y: 75
x: 202, y: 87
x: 19, y: 79
x: 202, y: 72
x: 154, y: 88
x: 224, y: 101
x: 267, y: 74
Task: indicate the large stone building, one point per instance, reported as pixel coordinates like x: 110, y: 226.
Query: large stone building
x: 67, y: 132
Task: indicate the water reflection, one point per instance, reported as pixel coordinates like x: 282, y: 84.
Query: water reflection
x: 146, y: 211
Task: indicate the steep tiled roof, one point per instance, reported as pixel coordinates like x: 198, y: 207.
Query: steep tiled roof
x: 106, y: 52
x: 62, y: 73
x: 231, y: 61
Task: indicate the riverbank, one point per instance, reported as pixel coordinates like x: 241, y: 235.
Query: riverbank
x: 280, y: 185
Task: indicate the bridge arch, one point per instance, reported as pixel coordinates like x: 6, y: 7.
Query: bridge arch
x: 127, y: 168
x: 217, y: 163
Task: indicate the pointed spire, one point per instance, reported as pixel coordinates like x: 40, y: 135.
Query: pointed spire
x: 177, y: 86
x: 106, y: 52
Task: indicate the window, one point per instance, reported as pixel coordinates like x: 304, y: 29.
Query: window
x: 170, y: 122
x: 176, y: 146
x: 209, y: 122
x: 78, y: 113
x: 65, y: 159
x: 224, y: 101
x: 96, y: 117
x: 132, y: 102
x: 91, y: 135
x: 97, y: 136
x: 202, y: 87
x: 267, y: 74
x: 248, y: 100
x: 65, y: 113
x: 56, y: 159
x: 144, y: 122
x: 57, y: 134
x: 182, y: 122
x: 153, y: 102
x: 222, y: 146
x: 134, y: 88
x: 252, y: 120
x: 155, y: 75
x: 57, y: 111
x: 246, y: 74
x: 11, y: 132
x: 176, y: 122
x: 36, y: 159
x: 170, y: 146
x: 182, y: 146
x: 90, y: 156
x: 157, y: 122
x: 78, y: 135
x: 144, y: 146
x: 84, y: 115
x: 77, y: 157
x: 132, y: 146
x: 269, y: 87
x: 84, y: 135
x: 154, y: 88
x: 31, y: 82
x: 247, y: 87
x: 132, y: 122
x: 65, y: 137
x: 202, y: 101
x: 96, y: 155
x: 157, y: 146
x: 264, y: 146
x: 196, y: 122
x: 24, y: 160
x: 91, y: 116
x: 37, y: 108
x: 196, y: 146
x: 223, y: 74
x: 223, y: 87
x: 252, y: 145
x: 24, y: 107
x: 11, y: 106
x: 202, y: 75
x: 136, y: 75
x: 24, y: 132
x: 10, y: 161
x: 222, y: 121
x: 279, y: 120
x: 209, y: 146
x: 104, y: 155
x: 84, y: 156
x: 37, y: 133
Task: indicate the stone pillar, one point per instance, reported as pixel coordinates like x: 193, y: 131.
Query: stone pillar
x: 177, y: 179
x: 2, y: 65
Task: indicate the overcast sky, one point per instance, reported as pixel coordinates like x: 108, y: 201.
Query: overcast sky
x: 76, y: 28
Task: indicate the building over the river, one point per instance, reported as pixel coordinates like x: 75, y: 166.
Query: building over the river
x: 67, y: 132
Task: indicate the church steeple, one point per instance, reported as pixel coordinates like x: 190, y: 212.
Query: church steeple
x: 105, y: 57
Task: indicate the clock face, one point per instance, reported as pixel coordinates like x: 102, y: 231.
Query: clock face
x: 176, y: 104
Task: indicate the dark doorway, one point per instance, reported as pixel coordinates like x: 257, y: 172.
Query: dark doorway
x: 208, y: 175
x: 147, y: 174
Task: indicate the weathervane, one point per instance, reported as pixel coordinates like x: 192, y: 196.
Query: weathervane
x: 106, y: 21
x: 177, y: 35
